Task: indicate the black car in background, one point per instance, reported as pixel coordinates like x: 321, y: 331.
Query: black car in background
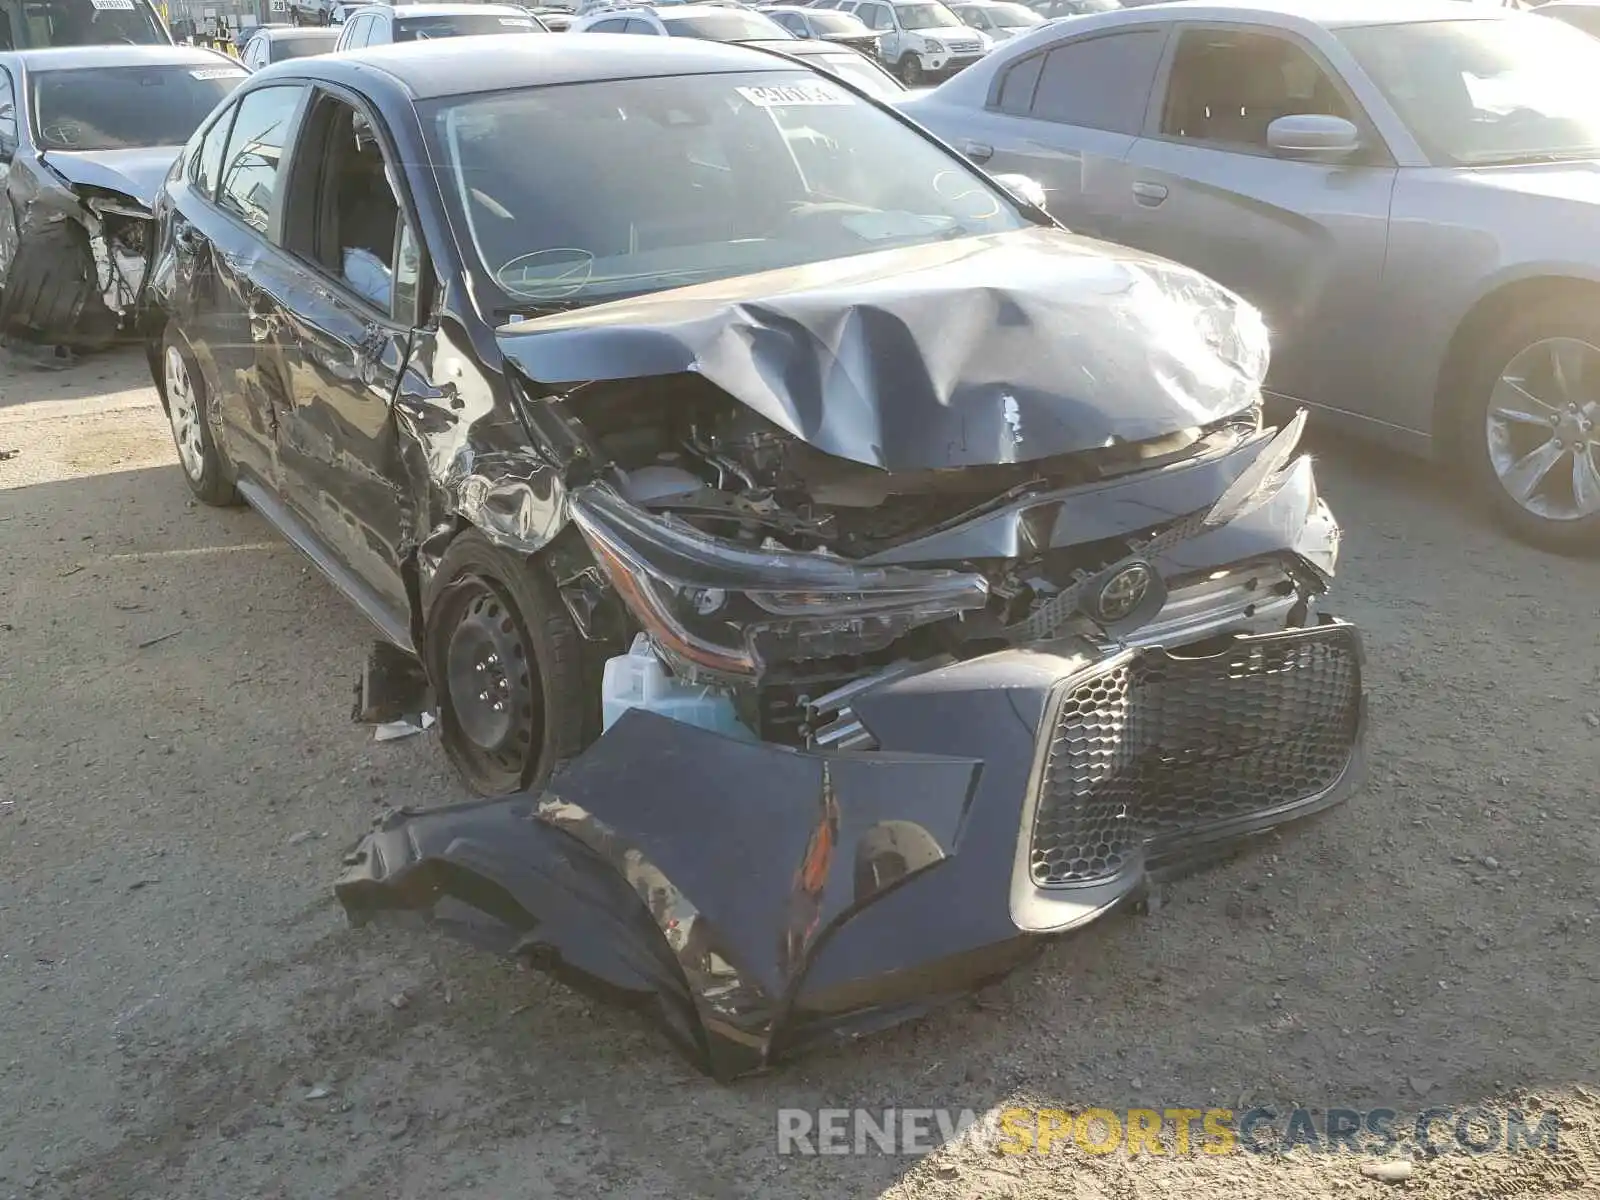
x: 86, y: 137
x: 842, y: 576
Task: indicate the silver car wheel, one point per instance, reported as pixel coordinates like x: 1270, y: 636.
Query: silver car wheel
x: 1543, y: 429
x: 184, y: 412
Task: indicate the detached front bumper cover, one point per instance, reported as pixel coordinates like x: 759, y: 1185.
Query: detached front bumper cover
x: 759, y: 898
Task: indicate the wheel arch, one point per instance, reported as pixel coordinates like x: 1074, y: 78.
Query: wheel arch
x: 1501, y: 298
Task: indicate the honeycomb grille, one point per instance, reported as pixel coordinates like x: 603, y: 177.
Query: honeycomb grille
x: 1160, y: 745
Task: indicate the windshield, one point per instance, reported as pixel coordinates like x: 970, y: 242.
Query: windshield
x: 112, y: 108
x: 854, y: 69
x: 418, y: 29
x: 40, y: 23
x: 302, y: 45
x: 749, y: 172
x: 1014, y: 16
x: 728, y: 26
x: 1482, y: 92
x: 926, y: 16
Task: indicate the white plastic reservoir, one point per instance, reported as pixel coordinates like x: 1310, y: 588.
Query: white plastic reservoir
x: 638, y: 679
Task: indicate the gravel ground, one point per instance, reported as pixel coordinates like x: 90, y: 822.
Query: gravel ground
x: 187, y: 1014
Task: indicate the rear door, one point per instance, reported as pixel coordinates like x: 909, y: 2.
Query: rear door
x: 1303, y: 241
x: 1067, y: 115
x: 238, y: 231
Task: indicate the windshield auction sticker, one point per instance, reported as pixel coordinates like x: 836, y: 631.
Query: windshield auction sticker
x: 112, y: 5
x: 218, y: 73
x: 517, y: 22
x: 795, y: 93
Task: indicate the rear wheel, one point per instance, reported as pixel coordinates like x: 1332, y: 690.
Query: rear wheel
x: 504, y: 659
x: 1530, y: 426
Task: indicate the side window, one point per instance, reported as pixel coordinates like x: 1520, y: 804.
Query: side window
x: 1100, y: 82
x: 8, y: 116
x: 612, y: 26
x: 255, y: 148
x: 792, y: 22
x: 1227, y: 86
x: 343, y: 215
x: 634, y: 25
x: 874, y: 16
x: 361, y: 31
x: 1016, y: 89
x: 207, y: 164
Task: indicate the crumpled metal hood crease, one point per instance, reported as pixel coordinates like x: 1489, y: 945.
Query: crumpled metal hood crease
x: 996, y: 349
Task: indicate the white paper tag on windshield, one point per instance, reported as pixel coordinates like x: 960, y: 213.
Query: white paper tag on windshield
x: 796, y: 93
x: 519, y: 22
x: 112, y: 5
x: 219, y: 73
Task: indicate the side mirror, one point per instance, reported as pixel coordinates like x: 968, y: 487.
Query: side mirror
x: 1024, y: 188
x: 1313, y: 138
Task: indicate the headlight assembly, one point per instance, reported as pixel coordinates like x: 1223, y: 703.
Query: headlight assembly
x: 730, y: 610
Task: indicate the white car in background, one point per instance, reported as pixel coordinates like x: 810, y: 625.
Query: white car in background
x: 923, y: 41
x: 1000, y: 19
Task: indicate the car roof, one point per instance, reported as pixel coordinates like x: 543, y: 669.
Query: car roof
x: 60, y: 58
x: 667, y: 12
x: 1330, y: 14
x: 447, y: 10
x: 276, y: 31
x: 467, y: 66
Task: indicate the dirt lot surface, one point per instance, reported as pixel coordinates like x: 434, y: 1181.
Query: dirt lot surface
x: 186, y: 1013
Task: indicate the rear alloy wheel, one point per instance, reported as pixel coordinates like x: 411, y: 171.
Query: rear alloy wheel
x: 183, y: 389
x: 1533, y: 431
x: 911, y: 73
x: 503, y: 656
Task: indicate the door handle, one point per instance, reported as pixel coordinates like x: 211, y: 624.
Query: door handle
x: 1149, y: 194
x: 977, y: 151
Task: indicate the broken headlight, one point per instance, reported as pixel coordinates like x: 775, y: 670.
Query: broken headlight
x: 730, y: 610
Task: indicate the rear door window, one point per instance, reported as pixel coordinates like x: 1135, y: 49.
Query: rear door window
x: 1101, y: 82
x: 255, y: 152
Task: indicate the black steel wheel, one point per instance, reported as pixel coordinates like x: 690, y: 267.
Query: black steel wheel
x: 504, y: 659
x: 911, y: 73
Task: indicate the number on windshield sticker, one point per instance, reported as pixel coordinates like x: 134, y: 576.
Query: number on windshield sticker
x: 795, y: 93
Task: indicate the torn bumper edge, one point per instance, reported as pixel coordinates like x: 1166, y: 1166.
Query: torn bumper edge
x: 759, y: 899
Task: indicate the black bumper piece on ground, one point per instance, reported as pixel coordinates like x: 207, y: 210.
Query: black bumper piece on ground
x: 761, y: 898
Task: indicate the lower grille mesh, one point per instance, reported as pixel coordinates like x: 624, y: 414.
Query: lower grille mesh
x: 1161, y: 745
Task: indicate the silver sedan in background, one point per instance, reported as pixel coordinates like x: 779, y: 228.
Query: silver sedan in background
x: 1410, y: 192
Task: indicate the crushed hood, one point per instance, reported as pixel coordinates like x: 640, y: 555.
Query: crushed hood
x: 994, y: 349
x: 137, y: 172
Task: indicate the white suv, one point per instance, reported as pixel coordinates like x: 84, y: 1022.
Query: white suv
x: 923, y: 41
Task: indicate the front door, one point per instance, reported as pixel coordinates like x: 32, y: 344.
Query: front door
x: 1303, y: 241
x: 344, y: 341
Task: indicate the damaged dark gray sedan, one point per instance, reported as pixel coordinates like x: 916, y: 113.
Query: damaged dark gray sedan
x: 87, y: 134
x: 843, y: 576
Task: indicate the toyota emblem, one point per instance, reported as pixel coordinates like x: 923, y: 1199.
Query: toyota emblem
x: 1123, y: 593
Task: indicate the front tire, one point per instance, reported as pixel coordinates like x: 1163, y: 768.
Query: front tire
x: 505, y: 661
x: 183, y: 391
x: 1530, y: 427
x: 911, y: 73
